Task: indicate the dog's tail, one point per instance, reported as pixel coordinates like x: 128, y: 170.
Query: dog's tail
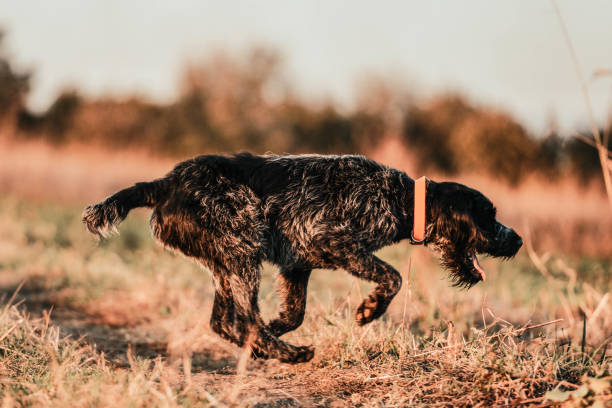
x: 101, y: 219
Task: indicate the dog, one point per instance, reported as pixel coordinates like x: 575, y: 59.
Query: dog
x: 299, y: 212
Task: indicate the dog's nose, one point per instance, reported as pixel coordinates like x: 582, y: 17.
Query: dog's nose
x: 519, y: 241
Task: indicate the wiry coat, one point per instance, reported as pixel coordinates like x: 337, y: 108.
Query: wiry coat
x: 230, y: 213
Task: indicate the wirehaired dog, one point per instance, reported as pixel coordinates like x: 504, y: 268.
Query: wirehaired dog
x: 230, y: 213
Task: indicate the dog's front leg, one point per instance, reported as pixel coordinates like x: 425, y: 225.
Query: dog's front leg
x: 389, y: 281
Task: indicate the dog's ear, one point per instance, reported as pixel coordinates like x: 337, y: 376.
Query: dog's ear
x: 457, y: 226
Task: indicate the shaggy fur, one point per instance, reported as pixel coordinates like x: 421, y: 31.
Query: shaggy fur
x: 230, y: 213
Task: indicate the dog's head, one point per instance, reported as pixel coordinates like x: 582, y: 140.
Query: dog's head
x: 464, y: 224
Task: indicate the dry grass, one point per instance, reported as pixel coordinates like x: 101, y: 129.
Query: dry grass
x: 126, y: 323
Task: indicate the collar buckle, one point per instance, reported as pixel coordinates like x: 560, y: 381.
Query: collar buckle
x: 416, y: 241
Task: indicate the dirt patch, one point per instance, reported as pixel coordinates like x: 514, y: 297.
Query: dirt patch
x: 116, y: 339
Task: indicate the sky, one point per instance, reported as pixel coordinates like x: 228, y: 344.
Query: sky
x: 509, y: 54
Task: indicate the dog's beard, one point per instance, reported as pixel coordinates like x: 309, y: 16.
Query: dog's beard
x: 464, y: 269
x: 461, y: 263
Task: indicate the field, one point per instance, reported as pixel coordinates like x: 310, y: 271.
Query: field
x: 125, y: 322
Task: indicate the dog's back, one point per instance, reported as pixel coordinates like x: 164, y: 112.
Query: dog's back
x: 293, y: 209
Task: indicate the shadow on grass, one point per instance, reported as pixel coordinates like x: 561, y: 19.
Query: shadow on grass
x: 115, y: 341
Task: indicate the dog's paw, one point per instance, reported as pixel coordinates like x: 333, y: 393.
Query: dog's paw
x: 278, y: 327
x: 370, y: 309
x: 284, y: 352
x: 297, y: 354
x: 259, y: 353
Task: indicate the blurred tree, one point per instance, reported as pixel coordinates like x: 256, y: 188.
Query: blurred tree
x: 14, y: 87
x: 583, y: 158
x: 496, y: 144
x: 368, y: 130
x: 232, y: 103
x: 380, y: 109
x: 228, y: 100
x: 59, y: 117
x: 451, y: 135
x: 427, y: 130
x: 322, y: 131
x: 549, y: 158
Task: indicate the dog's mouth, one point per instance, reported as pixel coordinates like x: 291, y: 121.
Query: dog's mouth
x: 464, y: 268
x: 467, y: 272
x: 478, y: 269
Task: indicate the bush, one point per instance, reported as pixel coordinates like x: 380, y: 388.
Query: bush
x: 452, y: 136
x: 14, y: 86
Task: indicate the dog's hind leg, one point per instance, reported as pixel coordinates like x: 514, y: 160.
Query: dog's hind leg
x: 222, y: 227
x: 291, y: 289
x: 389, y: 281
x: 223, y: 312
x: 249, y: 325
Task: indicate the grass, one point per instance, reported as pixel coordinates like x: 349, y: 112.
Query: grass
x: 125, y: 323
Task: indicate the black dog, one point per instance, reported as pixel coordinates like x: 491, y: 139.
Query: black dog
x: 302, y: 212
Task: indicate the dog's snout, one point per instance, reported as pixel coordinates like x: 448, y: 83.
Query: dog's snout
x: 504, y: 233
x: 515, y: 240
x: 507, y: 242
x: 518, y: 240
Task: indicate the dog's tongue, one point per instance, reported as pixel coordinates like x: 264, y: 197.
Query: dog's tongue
x: 479, y: 268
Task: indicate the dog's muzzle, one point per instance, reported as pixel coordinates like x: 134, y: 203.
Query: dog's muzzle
x: 507, y: 242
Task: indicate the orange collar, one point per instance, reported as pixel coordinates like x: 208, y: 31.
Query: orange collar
x: 418, y: 229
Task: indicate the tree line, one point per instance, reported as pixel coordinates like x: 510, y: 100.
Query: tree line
x: 230, y: 103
